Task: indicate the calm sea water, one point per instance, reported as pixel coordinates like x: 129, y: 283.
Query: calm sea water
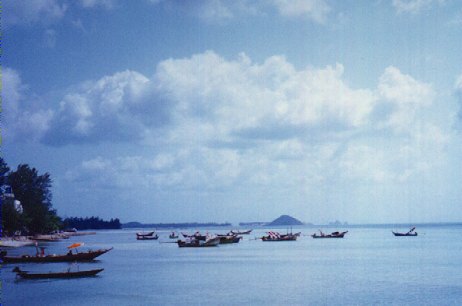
x: 368, y: 267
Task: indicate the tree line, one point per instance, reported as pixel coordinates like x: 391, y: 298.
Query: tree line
x: 91, y: 223
x: 35, y: 213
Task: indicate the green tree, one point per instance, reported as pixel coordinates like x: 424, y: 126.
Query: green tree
x: 11, y: 219
x: 34, y: 192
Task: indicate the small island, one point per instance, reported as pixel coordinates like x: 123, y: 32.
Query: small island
x: 285, y: 220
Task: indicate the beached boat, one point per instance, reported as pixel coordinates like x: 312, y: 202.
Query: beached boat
x: 410, y: 233
x: 331, y: 235
x: 39, y: 258
x: 195, y: 243
x: 275, y: 236
x: 66, y: 274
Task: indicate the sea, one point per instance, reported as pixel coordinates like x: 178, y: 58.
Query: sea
x: 368, y: 267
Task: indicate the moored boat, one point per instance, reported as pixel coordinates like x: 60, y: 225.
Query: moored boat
x: 41, y: 258
x: 241, y: 232
x: 196, y: 243
x: 331, y: 235
x: 66, y: 274
x: 275, y: 236
x: 226, y: 239
x: 410, y: 233
x: 146, y: 236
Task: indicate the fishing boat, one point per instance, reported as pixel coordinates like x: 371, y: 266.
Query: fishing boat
x: 241, y: 233
x: 196, y: 243
x: 40, y: 257
x: 225, y: 239
x: 410, y: 233
x: 66, y: 274
x: 196, y: 235
x: 275, y: 236
x: 173, y: 235
x: 331, y: 235
x: 146, y: 236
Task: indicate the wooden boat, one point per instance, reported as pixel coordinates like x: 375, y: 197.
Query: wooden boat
x: 39, y: 258
x: 410, y: 233
x: 331, y: 235
x: 225, y: 239
x: 67, y: 274
x: 195, y: 243
x: 173, y: 235
x: 274, y: 236
x: 196, y: 236
x: 146, y: 236
x: 241, y: 233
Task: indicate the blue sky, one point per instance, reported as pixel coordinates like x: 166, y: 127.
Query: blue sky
x: 210, y: 110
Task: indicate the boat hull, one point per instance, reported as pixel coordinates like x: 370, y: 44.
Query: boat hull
x: 405, y: 234
x: 27, y: 275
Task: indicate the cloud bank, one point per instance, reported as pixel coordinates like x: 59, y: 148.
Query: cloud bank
x: 214, y: 123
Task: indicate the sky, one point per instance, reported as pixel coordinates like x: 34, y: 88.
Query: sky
x: 238, y: 111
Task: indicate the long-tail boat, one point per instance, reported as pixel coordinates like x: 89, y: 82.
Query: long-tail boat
x: 196, y: 243
x: 275, y: 236
x: 410, y: 233
x: 225, y: 239
x: 241, y: 233
x: 331, y: 235
x: 146, y: 236
x: 67, y: 274
x: 39, y: 258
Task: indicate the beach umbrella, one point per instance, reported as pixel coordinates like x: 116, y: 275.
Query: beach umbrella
x: 75, y: 245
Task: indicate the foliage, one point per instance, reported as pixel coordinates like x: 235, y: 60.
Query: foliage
x: 91, y: 223
x: 34, y: 192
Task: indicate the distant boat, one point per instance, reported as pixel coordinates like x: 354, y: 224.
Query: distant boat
x: 146, y: 236
x: 331, y: 235
x: 275, y: 236
x: 410, y: 233
x: 69, y: 257
x: 67, y: 274
x: 173, y: 235
x: 196, y: 243
x: 241, y: 233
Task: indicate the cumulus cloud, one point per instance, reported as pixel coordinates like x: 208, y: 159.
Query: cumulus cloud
x: 218, y: 122
x: 22, y: 117
x: 404, y: 96
x: 114, y: 108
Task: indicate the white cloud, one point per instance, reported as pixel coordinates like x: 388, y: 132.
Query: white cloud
x: 217, y: 122
x: 32, y: 11
x: 405, y: 95
x: 22, y: 118
x: 107, y: 4
x: 414, y: 6
x: 316, y: 10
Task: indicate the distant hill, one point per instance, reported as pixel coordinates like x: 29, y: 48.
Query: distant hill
x: 285, y: 220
